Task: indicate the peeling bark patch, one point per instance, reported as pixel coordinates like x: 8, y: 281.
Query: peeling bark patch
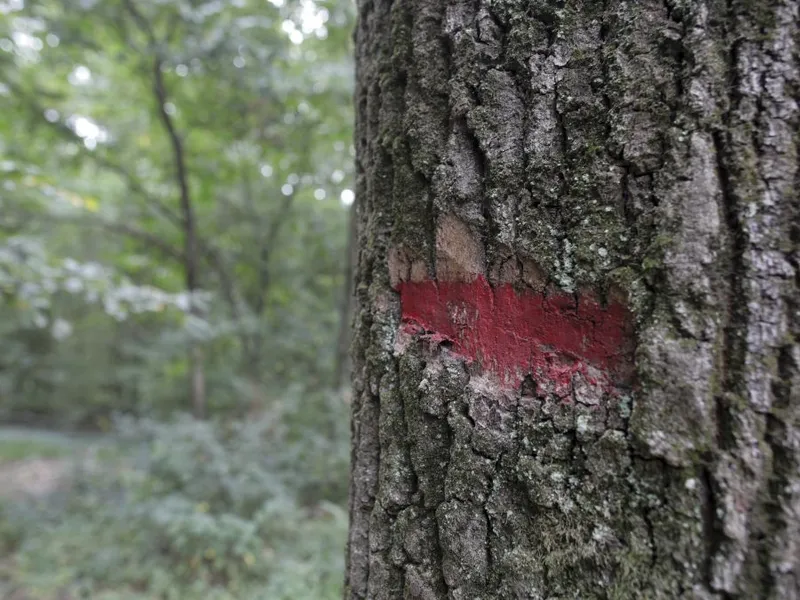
x: 459, y: 254
x: 512, y: 334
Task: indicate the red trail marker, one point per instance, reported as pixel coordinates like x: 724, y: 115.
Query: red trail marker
x: 512, y: 334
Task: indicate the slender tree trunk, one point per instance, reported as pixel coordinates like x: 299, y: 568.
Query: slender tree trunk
x: 191, y: 247
x: 198, y: 381
x: 576, y: 361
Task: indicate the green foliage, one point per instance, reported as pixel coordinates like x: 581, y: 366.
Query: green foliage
x: 174, y: 178
x: 191, y: 509
x: 100, y: 104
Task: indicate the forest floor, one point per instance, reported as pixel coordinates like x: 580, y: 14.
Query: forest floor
x: 35, y: 477
x: 37, y: 462
x: 34, y: 465
x: 66, y: 504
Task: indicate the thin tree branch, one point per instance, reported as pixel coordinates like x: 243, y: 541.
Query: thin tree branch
x: 267, y: 244
x: 181, y: 173
x: 97, y: 157
x: 130, y: 231
x: 142, y: 22
x: 133, y: 232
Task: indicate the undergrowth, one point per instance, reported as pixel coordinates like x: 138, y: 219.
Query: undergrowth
x: 191, y: 509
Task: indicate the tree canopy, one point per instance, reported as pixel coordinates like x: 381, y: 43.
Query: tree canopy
x: 174, y: 174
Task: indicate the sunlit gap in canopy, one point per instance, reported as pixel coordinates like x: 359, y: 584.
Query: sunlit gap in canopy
x: 90, y: 132
x: 81, y: 75
x: 8, y: 6
x: 310, y: 19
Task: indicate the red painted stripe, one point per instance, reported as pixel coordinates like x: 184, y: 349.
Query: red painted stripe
x: 513, y: 334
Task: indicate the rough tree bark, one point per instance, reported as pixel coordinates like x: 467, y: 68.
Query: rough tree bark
x: 576, y: 362
x: 343, y: 366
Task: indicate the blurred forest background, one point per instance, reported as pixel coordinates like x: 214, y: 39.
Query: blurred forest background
x: 175, y: 184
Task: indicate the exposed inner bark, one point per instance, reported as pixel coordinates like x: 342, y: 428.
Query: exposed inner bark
x: 635, y: 153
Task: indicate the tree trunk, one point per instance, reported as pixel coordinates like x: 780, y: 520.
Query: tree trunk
x: 198, y: 381
x: 187, y: 220
x: 576, y: 361
x: 343, y: 366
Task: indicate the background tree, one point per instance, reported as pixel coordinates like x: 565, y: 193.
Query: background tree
x: 199, y: 148
x: 577, y: 370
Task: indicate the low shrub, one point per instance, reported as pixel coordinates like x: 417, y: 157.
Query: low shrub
x: 191, y: 509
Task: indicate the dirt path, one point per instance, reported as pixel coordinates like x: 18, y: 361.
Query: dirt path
x: 37, y: 477
x: 50, y: 465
